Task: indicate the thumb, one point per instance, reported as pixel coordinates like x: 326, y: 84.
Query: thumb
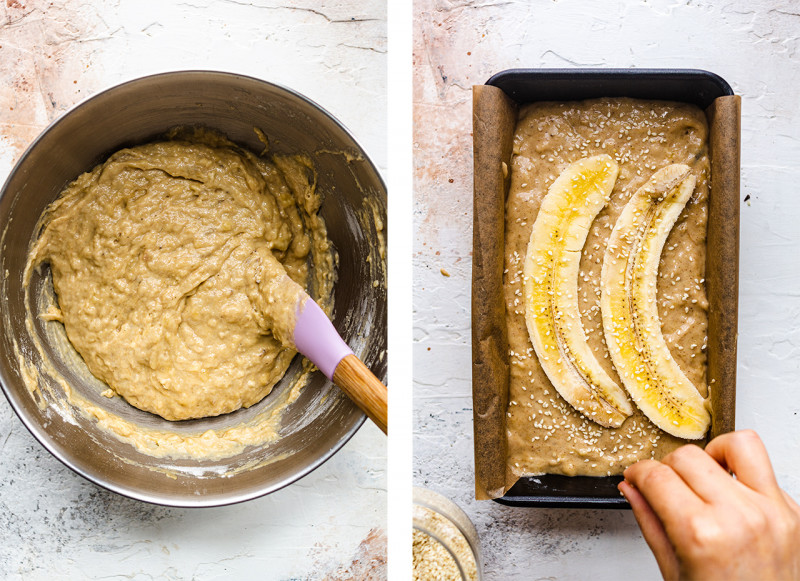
x: 653, y: 532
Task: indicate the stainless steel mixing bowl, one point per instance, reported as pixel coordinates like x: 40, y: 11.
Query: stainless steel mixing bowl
x: 322, y: 419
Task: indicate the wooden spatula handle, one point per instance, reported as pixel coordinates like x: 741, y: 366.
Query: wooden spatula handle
x: 366, y: 390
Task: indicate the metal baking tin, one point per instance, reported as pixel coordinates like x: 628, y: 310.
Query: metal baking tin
x: 529, y: 85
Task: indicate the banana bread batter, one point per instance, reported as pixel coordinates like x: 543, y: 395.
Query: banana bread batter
x: 545, y: 433
x: 167, y: 261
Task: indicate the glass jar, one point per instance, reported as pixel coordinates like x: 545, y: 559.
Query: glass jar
x: 445, y: 543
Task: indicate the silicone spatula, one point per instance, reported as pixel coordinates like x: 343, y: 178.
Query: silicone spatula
x: 312, y: 334
x: 317, y: 339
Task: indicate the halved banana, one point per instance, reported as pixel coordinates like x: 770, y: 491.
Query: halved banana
x: 630, y: 314
x: 551, y: 290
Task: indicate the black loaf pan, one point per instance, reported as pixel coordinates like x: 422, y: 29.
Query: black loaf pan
x: 530, y: 85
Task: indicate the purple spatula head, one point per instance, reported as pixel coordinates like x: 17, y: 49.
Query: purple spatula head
x: 316, y: 338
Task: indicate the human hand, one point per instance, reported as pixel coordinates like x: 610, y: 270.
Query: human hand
x: 702, y: 523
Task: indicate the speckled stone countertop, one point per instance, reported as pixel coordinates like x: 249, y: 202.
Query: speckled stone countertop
x: 753, y: 45
x: 55, y: 525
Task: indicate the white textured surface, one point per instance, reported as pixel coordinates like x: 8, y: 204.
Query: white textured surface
x: 54, y: 524
x: 753, y: 44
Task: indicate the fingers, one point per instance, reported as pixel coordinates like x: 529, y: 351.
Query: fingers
x: 702, y: 473
x: 652, y: 530
x: 667, y: 494
x: 744, y: 454
x: 792, y: 504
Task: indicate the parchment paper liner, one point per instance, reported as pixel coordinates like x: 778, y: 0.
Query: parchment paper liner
x: 494, y: 120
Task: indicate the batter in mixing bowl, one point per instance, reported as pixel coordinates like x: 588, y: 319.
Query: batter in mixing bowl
x: 167, y: 261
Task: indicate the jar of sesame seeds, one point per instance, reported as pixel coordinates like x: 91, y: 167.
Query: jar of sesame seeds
x: 445, y: 542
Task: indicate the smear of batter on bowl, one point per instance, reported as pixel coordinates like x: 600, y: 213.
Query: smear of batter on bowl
x: 167, y: 261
